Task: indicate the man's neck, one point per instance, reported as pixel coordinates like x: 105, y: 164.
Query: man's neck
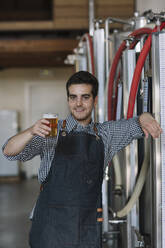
x: 83, y: 122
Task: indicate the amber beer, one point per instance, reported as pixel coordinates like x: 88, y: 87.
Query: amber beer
x: 53, y: 121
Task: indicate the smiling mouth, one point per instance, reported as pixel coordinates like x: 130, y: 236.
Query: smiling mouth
x: 79, y: 110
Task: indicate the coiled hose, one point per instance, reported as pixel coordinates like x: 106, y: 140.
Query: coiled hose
x: 139, y: 184
x: 137, y: 33
x: 138, y: 70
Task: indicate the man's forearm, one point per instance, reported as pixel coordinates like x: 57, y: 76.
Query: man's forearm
x: 18, y: 142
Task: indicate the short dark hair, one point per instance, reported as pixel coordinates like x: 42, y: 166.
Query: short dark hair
x: 83, y: 77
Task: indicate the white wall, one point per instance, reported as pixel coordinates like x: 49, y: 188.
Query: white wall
x: 156, y: 6
x: 14, y: 83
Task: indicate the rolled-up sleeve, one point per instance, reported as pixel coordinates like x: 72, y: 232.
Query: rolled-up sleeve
x: 32, y: 149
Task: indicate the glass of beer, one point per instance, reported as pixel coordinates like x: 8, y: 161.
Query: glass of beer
x: 53, y: 121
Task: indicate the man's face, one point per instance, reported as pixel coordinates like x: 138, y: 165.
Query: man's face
x: 81, y: 102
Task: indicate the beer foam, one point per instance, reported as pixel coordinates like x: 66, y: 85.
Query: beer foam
x: 50, y: 116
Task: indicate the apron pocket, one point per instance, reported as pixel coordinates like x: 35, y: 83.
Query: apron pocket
x: 64, y: 224
x: 88, y: 234
x: 88, y: 226
x: 38, y: 226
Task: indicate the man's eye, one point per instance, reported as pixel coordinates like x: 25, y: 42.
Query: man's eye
x: 86, y: 97
x: 72, y: 97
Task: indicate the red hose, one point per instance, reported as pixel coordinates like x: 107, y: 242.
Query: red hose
x: 88, y: 38
x: 137, y: 33
x: 138, y: 70
x: 114, y: 100
x: 112, y: 76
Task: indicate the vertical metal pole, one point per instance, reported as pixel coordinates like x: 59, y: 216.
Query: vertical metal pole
x: 131, y: 150
x: 81, y: 63
x: 107, y: 66
x: 100, y: 72
x: 91, y: 16
x: 99, y: 54
x: 142, y: 73
x: 100, y: 61
x: 162, y: 113
x: 119, y: 102
x: 107, y: 63
x: 158, y: 158
x: 156, y: 164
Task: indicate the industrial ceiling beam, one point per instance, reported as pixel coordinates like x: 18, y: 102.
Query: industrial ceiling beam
x: 35, y: 53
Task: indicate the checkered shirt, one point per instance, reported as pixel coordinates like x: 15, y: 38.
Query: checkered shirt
x: 115, y: 136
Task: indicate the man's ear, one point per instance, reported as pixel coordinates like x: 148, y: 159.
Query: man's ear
x: 95, y: 101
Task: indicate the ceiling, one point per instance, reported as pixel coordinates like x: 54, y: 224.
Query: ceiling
x: 36, y: 33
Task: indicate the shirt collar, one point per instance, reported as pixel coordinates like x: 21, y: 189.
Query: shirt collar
x: 71, y: 124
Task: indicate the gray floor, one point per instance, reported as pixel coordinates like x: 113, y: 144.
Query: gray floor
x: 16, y: 202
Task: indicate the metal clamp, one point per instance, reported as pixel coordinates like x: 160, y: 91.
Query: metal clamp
x: 117, y: 221
x: 106, y: 176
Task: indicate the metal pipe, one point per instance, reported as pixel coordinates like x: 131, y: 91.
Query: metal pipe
x: 118, y: 20
x: 119, y: 102
x: 91, y: 16
x: 99, y: 47
x: 117, y: 169
x: 107, y: 64
x: 105, y: 205
x: 158, y: 240
x: 90, y: 55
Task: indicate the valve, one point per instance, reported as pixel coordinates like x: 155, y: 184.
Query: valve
x: 140, y: 239
x: 98, y: 22
x: 155, y: 16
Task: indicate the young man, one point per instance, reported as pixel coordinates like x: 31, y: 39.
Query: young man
x: 68, y: 211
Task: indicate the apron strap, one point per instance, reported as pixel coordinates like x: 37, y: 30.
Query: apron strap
x: 64, y: 124
x: 63, y: 132
x: 96, y: 131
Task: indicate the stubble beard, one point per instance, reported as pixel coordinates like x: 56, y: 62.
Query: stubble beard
x: 83, y: 118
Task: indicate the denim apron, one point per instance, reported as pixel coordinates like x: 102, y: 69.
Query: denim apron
x: 68, y: 212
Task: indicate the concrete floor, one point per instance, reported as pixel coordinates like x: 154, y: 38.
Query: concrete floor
x: 16, y: 202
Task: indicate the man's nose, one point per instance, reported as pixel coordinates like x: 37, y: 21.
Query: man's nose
x: 79, y: 101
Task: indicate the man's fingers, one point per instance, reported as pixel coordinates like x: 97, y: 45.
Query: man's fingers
x: 155, y: 131
x: 44, y: 127
x: 44, y: 121
x: 145, y: 132
x: 42, y: 132
x: 150, y: 125
x: 41, y: 128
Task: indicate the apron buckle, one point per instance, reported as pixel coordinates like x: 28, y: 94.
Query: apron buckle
x: 63, y: 133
